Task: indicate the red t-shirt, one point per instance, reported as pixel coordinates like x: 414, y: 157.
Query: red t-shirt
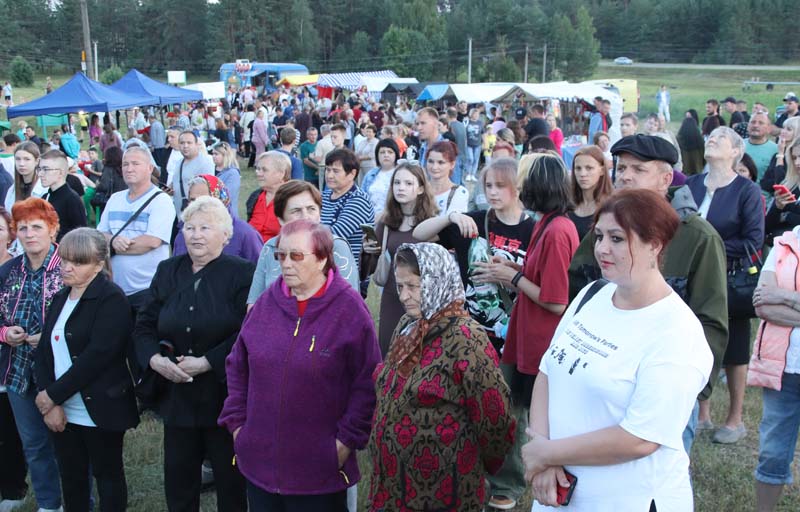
x: 531, y: 327
x: 264, y: 219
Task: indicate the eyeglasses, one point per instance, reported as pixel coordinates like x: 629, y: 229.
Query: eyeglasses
x: 43, y: 170
x: 293, y: 255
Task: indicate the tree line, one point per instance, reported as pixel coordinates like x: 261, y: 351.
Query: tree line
x: 422, y: 38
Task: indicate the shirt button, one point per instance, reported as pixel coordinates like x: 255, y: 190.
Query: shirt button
x: 188, y: 329
x: 191, y: 308
x: 190, y: 352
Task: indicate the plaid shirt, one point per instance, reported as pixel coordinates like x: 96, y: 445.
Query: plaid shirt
x: 25, y: 297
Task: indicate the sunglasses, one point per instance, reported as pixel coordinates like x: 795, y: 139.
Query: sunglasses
x: 293, y: 255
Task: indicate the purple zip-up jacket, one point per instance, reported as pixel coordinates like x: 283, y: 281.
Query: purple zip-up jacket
x: 297, y: 384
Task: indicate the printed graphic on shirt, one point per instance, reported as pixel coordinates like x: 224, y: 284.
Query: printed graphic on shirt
x: 584, y: 347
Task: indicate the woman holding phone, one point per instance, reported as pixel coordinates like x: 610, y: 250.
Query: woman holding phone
x: 613, y: 396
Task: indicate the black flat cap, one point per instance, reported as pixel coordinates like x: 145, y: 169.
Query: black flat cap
x: 646, y: 147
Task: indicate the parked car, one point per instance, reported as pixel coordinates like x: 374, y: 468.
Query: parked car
x: 623, y: 61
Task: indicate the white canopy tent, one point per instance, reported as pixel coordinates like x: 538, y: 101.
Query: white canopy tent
x: 376, y: 84
x: 210, y: 90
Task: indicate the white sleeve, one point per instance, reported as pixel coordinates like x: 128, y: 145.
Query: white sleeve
x: 566, y: 318
x: 667, y: 384
x: 162, y: 211
x: 769, y: 264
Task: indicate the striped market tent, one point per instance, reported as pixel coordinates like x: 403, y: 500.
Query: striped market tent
x: 351, y: 81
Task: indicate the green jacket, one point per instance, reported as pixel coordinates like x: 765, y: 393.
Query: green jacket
x: 694, y: 266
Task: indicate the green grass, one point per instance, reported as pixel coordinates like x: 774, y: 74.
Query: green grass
x: 690, y: 88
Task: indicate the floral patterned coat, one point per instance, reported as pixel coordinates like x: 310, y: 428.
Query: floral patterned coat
x: 436, y: 434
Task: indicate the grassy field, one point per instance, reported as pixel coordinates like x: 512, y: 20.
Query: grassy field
x: 722, y: 475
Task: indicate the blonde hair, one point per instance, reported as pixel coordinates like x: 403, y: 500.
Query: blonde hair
x: 792, y: 178
x: 215, y: 209
x: 228, y: 155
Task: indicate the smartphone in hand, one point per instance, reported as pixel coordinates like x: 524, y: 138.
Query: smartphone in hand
x: 783, y: 190
x: 564, y: 494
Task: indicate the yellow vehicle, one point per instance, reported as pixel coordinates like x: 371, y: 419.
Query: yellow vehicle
x: 628, y: 90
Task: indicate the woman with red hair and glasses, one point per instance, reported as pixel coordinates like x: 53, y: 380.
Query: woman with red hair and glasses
x: 27, y: 286
x: 300, y: 390
x: 613, y: 395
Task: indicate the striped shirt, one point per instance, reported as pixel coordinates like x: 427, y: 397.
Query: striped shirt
x: 345, y: 215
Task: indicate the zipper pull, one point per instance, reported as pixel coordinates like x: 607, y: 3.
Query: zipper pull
x: 313, y: 340
x: 297, y: 327
x: 233, y: 462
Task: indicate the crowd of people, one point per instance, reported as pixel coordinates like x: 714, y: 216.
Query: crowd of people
x: 543, y: 327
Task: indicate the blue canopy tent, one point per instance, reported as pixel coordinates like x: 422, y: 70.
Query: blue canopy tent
x: 137, y: 83
x: 81, y: 93
x: 433, y: 92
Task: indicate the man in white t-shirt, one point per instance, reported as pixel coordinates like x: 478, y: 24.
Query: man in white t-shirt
x: 143, y: 243
x: 175, y: 156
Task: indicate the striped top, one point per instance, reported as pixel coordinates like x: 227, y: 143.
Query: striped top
x: 345, y: 215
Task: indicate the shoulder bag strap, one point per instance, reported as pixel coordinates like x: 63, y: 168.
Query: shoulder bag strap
x: 450, y: 197
x: 134, y: 216
x: 180, y: 180
x: 591, y: 292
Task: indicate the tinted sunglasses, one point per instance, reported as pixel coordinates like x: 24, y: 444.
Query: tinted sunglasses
x: 293, y: 255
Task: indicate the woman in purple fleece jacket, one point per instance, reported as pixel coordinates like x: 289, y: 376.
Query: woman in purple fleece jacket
x: 300, y: 394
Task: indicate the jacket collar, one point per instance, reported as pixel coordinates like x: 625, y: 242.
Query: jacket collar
x: 95, y: 287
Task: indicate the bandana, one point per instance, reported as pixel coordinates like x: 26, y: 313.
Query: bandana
x: 217, y: 188
x: 442, y: 296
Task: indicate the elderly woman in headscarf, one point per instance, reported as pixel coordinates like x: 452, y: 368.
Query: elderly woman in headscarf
x: 245, y: 241
x: 443, y: 418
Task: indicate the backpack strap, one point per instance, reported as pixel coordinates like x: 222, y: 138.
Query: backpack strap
x: 591, y: 292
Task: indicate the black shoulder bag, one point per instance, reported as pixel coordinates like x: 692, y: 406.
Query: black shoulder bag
x: 132, y: 218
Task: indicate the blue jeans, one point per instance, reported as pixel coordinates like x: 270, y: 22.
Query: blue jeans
x: 780, y: 422
x: 473, y: 160
x: 458, y: 169
x: 38, y: 448
x: 691, y: 428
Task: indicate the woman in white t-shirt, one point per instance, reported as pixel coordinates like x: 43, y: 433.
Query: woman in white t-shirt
x: 377, y: 181
x: 613, y: 395
x: 450, y: 197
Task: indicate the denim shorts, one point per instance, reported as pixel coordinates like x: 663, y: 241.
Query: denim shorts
x: 780, y: 422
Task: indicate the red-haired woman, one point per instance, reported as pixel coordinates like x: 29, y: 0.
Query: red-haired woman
x: 613, y: 396
x: 27, y: 286
x: 440, y: 163
x: 590, y: 185
x: 296, y: 430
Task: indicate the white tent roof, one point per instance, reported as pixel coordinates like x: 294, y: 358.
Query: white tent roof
x: 478, y: 93
x: 210, y: 90
x: 378, y: 84
x: 557, y: 90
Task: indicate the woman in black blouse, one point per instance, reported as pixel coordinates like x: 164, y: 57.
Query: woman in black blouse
x: 733, y: 205
x: 184, y: 334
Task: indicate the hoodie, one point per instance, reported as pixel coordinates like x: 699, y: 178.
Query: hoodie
x: 694, y: 266
x: 296, y: 384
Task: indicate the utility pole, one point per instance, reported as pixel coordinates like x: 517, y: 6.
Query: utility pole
x: 469, y: 61
x: 87, y: 39
x: 526, y: 63
x: 96, y: 72
x: 544, y: 64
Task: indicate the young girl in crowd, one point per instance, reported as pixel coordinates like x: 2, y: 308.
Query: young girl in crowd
x: 449, y: 196
x: 410, y: 202
x: 590, y: 186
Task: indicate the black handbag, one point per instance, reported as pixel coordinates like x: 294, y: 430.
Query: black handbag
x: 151, y: 385
x: 742, y: 281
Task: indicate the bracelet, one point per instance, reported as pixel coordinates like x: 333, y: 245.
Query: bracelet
x: 516, y: 278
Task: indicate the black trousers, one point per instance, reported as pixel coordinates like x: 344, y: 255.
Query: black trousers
x: 263, y: 501
x: 12, y: 459
x: 83, y: 449
x: 184, y: 450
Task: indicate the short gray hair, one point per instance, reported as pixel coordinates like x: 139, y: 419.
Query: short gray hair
x: 135, y: 148
x: 282, y: 160
x: 734, y: 138
x: 215, y: 209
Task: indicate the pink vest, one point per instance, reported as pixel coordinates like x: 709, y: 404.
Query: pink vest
x: 772, y: 342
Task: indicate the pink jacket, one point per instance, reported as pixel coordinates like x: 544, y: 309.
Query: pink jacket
x: 772, y: 342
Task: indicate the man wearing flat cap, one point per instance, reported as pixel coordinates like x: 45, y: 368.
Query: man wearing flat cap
x: 791, y: 109
x: 694, y: 262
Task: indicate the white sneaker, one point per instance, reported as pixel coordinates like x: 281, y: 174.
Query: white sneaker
x: 11, y: 505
